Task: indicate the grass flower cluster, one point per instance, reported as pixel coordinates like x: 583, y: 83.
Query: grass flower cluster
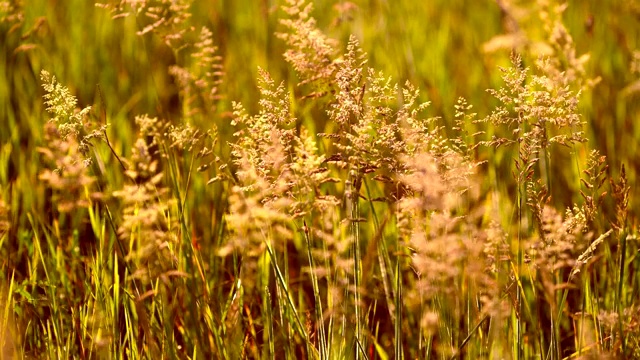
x: 337, y: 214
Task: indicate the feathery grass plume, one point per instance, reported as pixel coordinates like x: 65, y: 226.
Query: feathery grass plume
x: 373, y: 135
x: 310, y: 51
x: 168, y: 157
x: 561, y: 240
x: 150, y: 128
x: 557, y: 234
x: 620, y: 193
x: 627, y: 243
x: 498, y: 258
x: 174, y: 144
x: 445, y: 248
x: 320, y: 214
x: 279, y: 177
x: 539, y: 112
x: 564, y: 245
x: 156, y: 226
x: 367, y: 140
x: 66, y: 173
x: 309, y: 174
x: 256, y: 216
x: 368, y: 134
x: 453, y: 157
x: 169, y: 19
x: 542, y: 110
x: 435, y: 223
x: 258, y: 221
x: 198, y: 81
x: 258, y: 202
x: 193, y: 149
x: 149, y: 220
x: 365, y: 109
x: 256, y: 136
x: 183, y: 138
x: 124, y: 8
x: 350, y: 79
x: 70, y: 122
x: 143, y: 166
x: 67, y: 150
x: 62, y: 105
x: 151, y: 134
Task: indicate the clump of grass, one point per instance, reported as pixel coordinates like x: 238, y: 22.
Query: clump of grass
x: 363, y: 228
x: 148, y: 217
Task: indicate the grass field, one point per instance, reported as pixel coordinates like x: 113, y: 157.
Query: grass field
x: 319, y: 179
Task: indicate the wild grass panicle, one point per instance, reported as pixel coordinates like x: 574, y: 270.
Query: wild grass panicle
x: 69, y: 121
x: 149, y: 227
x: 199, y: 81
x: 259, y: 201
x: 67, y: 173
x: 310, y: 52
x: 62, y: 105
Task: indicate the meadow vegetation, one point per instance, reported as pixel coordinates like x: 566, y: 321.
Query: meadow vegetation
x: 319, y: 179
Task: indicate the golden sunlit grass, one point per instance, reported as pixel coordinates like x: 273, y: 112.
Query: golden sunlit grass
x: 333, y: 214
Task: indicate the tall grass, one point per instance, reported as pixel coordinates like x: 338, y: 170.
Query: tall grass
x: 281, y: 195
